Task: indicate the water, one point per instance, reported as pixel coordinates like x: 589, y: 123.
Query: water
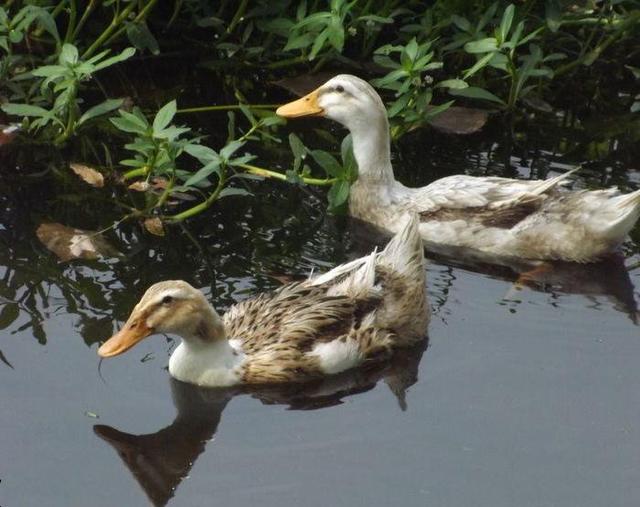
x: 526, y: 397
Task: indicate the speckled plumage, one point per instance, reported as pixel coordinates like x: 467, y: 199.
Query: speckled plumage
x: 495, y: 217
x: 354, y: 314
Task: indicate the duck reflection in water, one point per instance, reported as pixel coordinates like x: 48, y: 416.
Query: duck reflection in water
x: 160, y: 461
x: 607, y: 278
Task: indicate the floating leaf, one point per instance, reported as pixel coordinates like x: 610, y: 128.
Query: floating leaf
x: 93, y: 415
x: 69, y: 243
x: 154, y: 226
x: 88, y: 175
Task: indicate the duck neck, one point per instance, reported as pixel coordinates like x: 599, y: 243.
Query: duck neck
x: 371, y: 148
x: 205, y: 356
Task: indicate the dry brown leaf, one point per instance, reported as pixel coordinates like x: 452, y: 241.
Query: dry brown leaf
x: 460, y: 120
x: 69, y: 243
x: 159, y: 183
x: 139, y: 186
x: 154, y: 226
x: 88, y: 175
x: 305, y: 83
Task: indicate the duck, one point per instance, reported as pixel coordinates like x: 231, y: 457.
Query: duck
x: 493, y: 217
x: 356, y: 314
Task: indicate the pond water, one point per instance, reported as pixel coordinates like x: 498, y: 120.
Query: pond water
x: 524, y: 397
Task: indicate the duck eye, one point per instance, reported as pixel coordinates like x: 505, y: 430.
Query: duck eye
x: 339, y: 88
x: 167, y: 300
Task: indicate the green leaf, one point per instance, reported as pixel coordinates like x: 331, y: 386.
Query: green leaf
x: 49, y: 71
x: 505, y: 23
x: 229, y: 191
x: 327, y: 162
x: 164, y: 116
x: 482, y: 45
x: 68, y: 54
x: 142, y: 38
x: 338, y: 194
x: 26, y: 110
x: 481, y: 63
x: 436, y: 110
x: 100, y: 109
x: 203, y: 173
x: 203, y: 153
x: 461, y: 23
x: 456, y: 84
x: 124, y: 55
x: 230, y: 149
x: 553, y: 15
x: 128, y: 122
x: 297, y: 147
x: 411, y: 49
x: 474, y: 92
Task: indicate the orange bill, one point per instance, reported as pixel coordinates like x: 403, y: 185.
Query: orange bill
x: 305, y: 106
x: 124, y: 339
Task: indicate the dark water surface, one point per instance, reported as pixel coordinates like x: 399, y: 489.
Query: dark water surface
x: 523, y: 397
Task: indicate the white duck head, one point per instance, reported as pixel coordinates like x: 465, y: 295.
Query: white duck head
x: 353, y: 103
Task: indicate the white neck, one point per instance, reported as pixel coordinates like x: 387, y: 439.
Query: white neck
x: 206, y: 364
x: 371, y: 148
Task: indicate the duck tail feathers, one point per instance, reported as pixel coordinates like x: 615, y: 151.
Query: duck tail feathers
x: 405, y: 252
x: 627, y: 211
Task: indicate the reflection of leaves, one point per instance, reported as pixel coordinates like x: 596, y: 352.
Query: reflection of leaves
x: 69, y: 243
x: 8, y: 314
x: 5, y: 360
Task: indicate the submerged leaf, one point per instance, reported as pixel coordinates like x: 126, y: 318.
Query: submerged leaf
x: 459, y: 120
x: 69, y: 243
x: 88, y: 175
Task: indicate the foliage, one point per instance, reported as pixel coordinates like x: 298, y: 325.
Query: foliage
x: 419, y: 55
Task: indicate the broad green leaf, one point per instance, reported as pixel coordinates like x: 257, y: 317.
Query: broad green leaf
x: 318, y: 44
x: 142, y: 38
x: 164, y: 116
x: 461, y: 23
x: 505, y: 23
x: 456, y: 84
x: 229, y: 191
x: 100, y: 109
x: 68, y: 54
x: 50, y: 71
x: 411, y: 49
x: 482, y: 45
x: 481, y: 63
x: 338, y: 194
x: 327, y: 162
x: 26, y: 110
x: 129, y: 123
x: 203, y: 153
x: 474, y: 92
x: 203, y: 173
x: 297, y: 147
x: 230, y: 149
x: 124, y: 55
x: 399, y: 105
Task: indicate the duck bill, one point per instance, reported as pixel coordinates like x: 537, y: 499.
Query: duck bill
x: 305, y: 106
x: 124, y: 339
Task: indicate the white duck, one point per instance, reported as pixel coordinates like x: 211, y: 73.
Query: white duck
x: 495, y: 217
x: 356, y: 313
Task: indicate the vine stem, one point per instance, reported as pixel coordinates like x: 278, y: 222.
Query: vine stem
x: 202, y: 109
x: 266, y: 173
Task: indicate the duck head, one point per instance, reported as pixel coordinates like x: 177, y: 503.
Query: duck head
x: 173, y: 307
x: 346, y: 99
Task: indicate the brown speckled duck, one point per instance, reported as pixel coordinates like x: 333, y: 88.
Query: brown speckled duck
x: 356, y: 313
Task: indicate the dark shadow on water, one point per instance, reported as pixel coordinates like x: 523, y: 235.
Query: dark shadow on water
x: 160, y: 461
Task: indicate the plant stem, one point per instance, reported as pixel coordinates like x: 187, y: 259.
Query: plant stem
x: 238, y: 16
x: 115, y: 22
x: 231, y: 107
x: 140, y: 17
x: 266, y: 173
x: 73, y: 12
x: 83, y: 19
x: 199, y: 208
